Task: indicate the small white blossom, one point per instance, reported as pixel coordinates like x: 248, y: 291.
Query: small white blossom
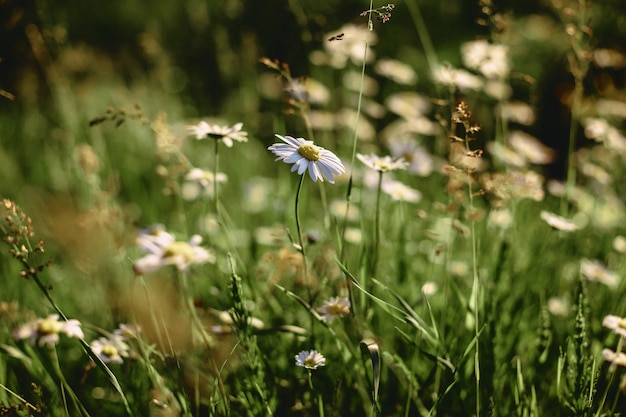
x: 163, y: 249
x: 616, y: 359
x: 335, y: 307
x: 396, y: 70
x: 615, y: 323
x: 559, y: 222
x: 110, y: 350
x: 398, y: 191
x: 310, y: 360
x: 597, y: 272
x: 226, y: 134
x: 382, y: 164
x: 198, y: 181
x: 46, y: 331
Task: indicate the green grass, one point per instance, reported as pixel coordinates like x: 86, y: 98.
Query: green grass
x: 453, y: 310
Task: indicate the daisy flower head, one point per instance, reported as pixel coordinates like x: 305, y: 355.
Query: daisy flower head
x: 306, y: 156
x: 384, y: 164
x: 616, y: 358
x: 163, y: 249
x: 310, y: 360
x: 226, y: 134
x: 335, y: 307
x: 46, y: 331
x: 594, y: 270
x: 401, y: 192
x: 110, y: 350
x: 615, y: 323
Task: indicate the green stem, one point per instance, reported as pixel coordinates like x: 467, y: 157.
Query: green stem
x: 215, y: 188
x: 422, y: 33
x: 376, y: 254
x: 356, y: 137
x: 300, y: 239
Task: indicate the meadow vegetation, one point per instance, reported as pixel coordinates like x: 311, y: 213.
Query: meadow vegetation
x: 313, y: 209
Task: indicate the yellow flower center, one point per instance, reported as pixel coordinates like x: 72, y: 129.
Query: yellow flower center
x: 183, y: 249
x: 310, y: 152
x: 622, y: 324
x: 382, y: 165
x: 49, y: 326
x: 338, y: 310
x: 109, y: 350
x: 310, y: 362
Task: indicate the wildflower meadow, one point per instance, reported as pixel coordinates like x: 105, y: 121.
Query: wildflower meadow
x: 313, y: 208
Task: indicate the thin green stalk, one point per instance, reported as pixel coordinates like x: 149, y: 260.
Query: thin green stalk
x: 215, y: 188
x: 422, y: 33
x: 300, y: 238
x: 370, y: 25
x: 65, y: 386
x: 19, y: 397
x: 376, y: 254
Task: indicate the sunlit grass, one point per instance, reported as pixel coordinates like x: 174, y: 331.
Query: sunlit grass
x: 156, y: 263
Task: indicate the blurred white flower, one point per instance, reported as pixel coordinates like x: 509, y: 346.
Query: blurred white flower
x: 408, y: 104
x: 163, y: 249
x: 306, y: 156
x: 227, y: 323
x: 335, y: 307
x: 354, y: 45
x: 429, y: 288
x: 558, y: 222
x: 530, y: 148
x: 619, y: 244
x: 110, y: 350
x: 310, y: 360
x: 419, y: 160
x: 398, y: 191
x: 46, y: 331
x: 602, y: 131
x: 506, y: 154
x: 198, y: 181
x: 452, y: 77
x: 615, y: 323
x: 518, y: 112
x: 382, y: 164
x: 340, y: 209
x: 226, y: 134
x: 502, y: 218
x: 595, y: 271
x: 558, y: 306
x: 616, y: 359
x: 491, y: 60
x: 396, y: 70
x: 308, y: 90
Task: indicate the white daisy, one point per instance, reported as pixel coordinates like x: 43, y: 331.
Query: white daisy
x: 383, y: 164
x: 310, y: 360
x: 163, y: 249
x: 226, y: 134
x: 46, y: 331
x: 305, y: 155
x: 333, y: 308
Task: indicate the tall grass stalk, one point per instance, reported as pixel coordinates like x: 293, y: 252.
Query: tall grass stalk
x: 355, y: 140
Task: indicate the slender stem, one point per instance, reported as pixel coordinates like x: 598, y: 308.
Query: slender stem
x: 424, y: 36
x: 215, y: 188
x: 300, y: 239
x: 370, y: 25
x: 376, y: 254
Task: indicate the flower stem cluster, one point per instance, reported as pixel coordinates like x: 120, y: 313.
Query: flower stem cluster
x: 382, y: 13
x: 17, y: 230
